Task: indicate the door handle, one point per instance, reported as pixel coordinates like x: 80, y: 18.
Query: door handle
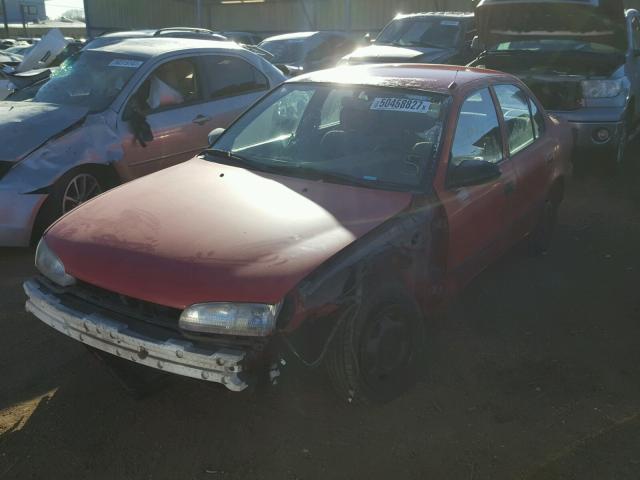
x: 201, y: 120
x: 509, y: 188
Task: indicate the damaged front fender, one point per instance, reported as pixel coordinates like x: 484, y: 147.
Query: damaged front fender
x: 76, y: 140
x: 405, y: 250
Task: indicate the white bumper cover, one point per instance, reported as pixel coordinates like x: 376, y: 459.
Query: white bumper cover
x: 219, y: 365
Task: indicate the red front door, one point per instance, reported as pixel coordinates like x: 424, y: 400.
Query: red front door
x: 479, y: 214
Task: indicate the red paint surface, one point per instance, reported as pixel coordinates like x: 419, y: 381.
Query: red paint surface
x: 189, y: 235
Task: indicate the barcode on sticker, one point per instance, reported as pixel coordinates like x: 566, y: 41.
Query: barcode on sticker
x: 122, y: 62
x: 401, y: 105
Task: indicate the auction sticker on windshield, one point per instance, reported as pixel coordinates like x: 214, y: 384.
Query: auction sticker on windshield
x: 123, y: 62
x: 400, y: 105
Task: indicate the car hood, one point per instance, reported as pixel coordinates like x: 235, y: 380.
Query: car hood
x: 203, y: 232
x: 390, y: 53
x: 31, y: 124
x: 597, y: 21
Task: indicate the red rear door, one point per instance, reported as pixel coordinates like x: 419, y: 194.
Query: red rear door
x: 531, y: 151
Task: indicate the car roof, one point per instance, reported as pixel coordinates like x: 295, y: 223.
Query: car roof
x: 292, y: 36
x: 154, y: 46
x: 130, y: 34
x: 456, y: 15
x: 432, y: 78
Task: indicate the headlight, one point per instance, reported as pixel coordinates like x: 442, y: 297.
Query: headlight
x: 51, y: 267
x: 601, y: 88
x: 245, y: 319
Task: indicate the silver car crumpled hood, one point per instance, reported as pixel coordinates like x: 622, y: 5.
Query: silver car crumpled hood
x: 26, y: 126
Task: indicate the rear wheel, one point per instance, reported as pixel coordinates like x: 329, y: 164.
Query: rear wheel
x: 377, y: 354
x: 541, y: 237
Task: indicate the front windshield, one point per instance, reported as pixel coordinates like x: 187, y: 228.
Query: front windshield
x: 421, y: 32
x: 284, y: 51
x: 89, y: 79
x: 378, y: 137
x: 554, y: 45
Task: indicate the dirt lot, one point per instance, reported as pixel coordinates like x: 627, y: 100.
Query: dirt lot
x: 533, y: 374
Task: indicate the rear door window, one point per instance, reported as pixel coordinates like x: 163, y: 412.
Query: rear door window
x: 228, y: 76
x: 514, y: 104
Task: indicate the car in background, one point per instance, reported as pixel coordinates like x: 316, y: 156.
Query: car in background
x: 245, y: 38
x: 172, y: 32
x: 114, y: 113
x: 308, y: 51
x: 21, y: 49
x: 433, y: 37
x: 7, y: 43
x: 581, y: 58
x: 323, y: 226
x: 22, y: 71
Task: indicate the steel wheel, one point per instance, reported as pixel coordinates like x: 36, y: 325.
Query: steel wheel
x: 80, y: 188
x: 386, y: 348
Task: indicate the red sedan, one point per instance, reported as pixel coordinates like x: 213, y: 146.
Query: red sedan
x: 323, y: 227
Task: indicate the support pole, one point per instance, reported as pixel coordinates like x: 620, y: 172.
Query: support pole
x: 347, y: 15
x: 24, y: 20
x: 87, y: 19
x: 5, y: 16
x: 199, y: 13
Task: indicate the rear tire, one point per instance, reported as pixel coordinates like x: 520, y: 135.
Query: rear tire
x: 377, y: 354
x: 542, y: 235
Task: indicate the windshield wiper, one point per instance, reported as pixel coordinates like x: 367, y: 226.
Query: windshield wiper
x: 301, y: 171
x: 231, y: 158
x: 423, y: 44
x: 335, y: 177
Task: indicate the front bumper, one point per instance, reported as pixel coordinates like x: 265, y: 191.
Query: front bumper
x: 584, y: 134
x: 586, y: 122
x: 222, y: 365
x: 17, y: 215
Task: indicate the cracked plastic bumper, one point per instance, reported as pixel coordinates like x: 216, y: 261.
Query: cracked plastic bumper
x: 218, y: 365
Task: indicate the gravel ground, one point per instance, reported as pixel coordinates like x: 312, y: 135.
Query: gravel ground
x: 534, y: 373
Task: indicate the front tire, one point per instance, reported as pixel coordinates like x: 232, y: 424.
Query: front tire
x: 71, y: 190
x: 377, y: 354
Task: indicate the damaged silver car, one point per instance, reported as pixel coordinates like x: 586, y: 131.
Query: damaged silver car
x: 115, y: 113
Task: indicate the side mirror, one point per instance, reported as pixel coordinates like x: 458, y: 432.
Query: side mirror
x: 140, y: 127
x: 475, y: 44
x: 214, y: 135
x: 473, y: 172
